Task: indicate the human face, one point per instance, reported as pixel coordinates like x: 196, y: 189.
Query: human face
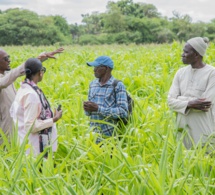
x: 4, y: 61
x: 42, y: 71
x: 188, y: 55
x: 100, y: 71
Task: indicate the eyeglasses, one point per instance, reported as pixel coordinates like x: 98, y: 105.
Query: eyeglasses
x: 6, y: 58
x: 43, y: 69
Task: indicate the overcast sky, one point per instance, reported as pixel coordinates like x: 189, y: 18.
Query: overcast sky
x: 199, y: 10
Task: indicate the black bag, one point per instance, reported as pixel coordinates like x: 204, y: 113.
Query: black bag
x: 130, y: 104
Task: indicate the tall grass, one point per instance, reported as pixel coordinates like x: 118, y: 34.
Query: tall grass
x: 146, y: 157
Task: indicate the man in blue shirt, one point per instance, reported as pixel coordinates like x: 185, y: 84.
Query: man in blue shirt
x: 105, y: 104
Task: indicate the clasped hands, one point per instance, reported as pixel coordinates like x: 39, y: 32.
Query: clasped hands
x: 200, y: 104
x: 90, y: 106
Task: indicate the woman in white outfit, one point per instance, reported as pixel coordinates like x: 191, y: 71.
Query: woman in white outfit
x: 31, y: 110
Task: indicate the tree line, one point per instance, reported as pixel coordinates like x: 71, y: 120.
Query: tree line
x: 123, y: 22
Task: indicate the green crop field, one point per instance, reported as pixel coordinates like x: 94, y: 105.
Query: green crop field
x: 147, y: 159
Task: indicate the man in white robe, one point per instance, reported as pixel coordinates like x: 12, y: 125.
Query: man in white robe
x: 192, y: 94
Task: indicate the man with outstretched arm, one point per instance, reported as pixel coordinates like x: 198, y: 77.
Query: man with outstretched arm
x: 7, y: 89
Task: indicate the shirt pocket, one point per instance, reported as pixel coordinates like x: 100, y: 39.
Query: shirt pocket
x: 110, y: 99
x: 201, y: 88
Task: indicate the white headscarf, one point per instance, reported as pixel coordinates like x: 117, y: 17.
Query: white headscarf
x: 199, y: 44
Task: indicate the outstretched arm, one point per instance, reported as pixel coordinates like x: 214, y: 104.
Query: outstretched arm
x: 45, y: 55
x: 11, y: 76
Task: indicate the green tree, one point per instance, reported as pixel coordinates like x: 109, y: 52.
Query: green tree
x: 93, y: 22
x: 181, y: 25
x: 145, y: 10
x: 18, y: 27
x: 61, y: 23
x: 139, y: 10
x: 210, y: 30
x: 114, y: 20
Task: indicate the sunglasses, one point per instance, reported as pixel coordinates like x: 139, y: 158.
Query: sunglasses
x: 43, y: 69
x: 6, y: 58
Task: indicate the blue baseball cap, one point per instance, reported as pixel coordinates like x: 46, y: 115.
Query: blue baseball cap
x: 101, y: 60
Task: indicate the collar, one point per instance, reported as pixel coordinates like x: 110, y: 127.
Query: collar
x: 109, y: 82
x: 23, y: 84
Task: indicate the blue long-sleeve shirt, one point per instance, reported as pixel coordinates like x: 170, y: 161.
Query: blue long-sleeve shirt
x: 112, y: 104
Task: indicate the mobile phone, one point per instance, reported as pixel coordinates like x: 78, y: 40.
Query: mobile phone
x: 59, y: 107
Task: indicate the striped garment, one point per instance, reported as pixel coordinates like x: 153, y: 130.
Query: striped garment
x: 111, y: 105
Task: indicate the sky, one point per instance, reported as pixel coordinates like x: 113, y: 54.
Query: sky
x: 71, y: 10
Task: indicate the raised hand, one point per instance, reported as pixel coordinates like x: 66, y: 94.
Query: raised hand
x: 90, y: 106
x: 45, y: 55
x: 51, y: 54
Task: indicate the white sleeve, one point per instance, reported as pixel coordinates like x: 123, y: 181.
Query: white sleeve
x: 177, y: 102
x: 11, y: 76
x: 32, y: 109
